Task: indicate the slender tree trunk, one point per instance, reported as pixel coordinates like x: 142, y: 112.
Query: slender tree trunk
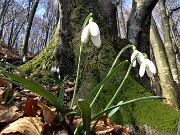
x: 169, y: 88
x: 16, y: 35
x: 168, y: 42
x: 2, y: 13
x: 28, y: 29
x: 11, y: 34
x: 121, y: 22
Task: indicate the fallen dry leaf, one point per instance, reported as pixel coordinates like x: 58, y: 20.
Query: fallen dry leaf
x: 3, y: 83
x: 31, y: 108
x: 10, y: 114
x: 49, y: 114
x: 24, y: 126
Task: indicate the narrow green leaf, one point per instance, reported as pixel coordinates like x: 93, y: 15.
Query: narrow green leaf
x: 21, y: 71
x: 86, y: 115
x: 38, y: 89
x: 61, y: 93
x: 120, y: 65
x: 127, y: 102
x: 115, y: 110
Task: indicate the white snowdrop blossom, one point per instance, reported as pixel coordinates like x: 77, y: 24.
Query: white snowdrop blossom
x: 24, y: 59
x: 59, y: 77
x: 57, y: 70
x: 139, y: 58
x: 147, y: 66
x: 53, y: 69
x: 44, y: 66
x: 91, y: 29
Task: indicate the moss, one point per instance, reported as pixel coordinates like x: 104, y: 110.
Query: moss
x: 151, y: 112
x: 46, y: 57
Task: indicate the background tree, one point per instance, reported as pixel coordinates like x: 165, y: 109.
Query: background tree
x: 2, y: 14
x: 28, y: 29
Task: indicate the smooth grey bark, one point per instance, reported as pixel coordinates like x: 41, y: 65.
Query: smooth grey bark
x: 171, y: 56
x: 169, y: 87
x: 24, y: 46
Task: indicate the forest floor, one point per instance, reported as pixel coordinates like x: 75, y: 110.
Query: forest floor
x: 23, y: 112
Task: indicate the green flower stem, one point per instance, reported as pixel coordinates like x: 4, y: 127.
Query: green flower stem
x: 77, y: 75
x: 115, y: 61
x: 126, y: 76
x: 79, y: 62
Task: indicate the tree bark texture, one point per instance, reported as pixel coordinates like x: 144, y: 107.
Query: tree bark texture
x: 28, y: 29
x: 171, y: 56
x: 138, y: 25
x: 2, y: 13
x: 169, y: 88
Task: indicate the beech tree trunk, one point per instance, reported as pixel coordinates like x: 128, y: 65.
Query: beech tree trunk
x: 169, y: 88
x: 24, y: 46
x: 171, y: 56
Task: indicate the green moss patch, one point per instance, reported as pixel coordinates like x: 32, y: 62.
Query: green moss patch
x: 152, y: 112
x: 46, y: 57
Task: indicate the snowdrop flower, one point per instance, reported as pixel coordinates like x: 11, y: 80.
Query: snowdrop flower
x: 57, y: 70
x: 139, y: 58
x: 59, y: 77
x: 147, y: 66
x: 91, y: 29
x: 24, y: 59
x: 53, y: 69
x: 44, y: 66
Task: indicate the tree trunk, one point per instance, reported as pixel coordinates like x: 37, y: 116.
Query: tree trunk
x: 2, y: 13
x: 28, y: 29
x: 138, y: 25
x: 11, y: 34
x: 168, y: 42
x: 169, y: 88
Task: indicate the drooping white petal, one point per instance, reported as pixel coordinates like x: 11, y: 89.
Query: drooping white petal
x: 57, y: 70
x: 142, y: 69
x: 44, y: 66
x: 94, y: 29
x: 149, y: 73
x: 96, y: 40
x: 85, y: 34
x: 24, y: 59
x: 53, y: 69
x: 140, y: 58
x: 152, y: 67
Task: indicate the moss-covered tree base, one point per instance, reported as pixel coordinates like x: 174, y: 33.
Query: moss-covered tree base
x: 41, y: 65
